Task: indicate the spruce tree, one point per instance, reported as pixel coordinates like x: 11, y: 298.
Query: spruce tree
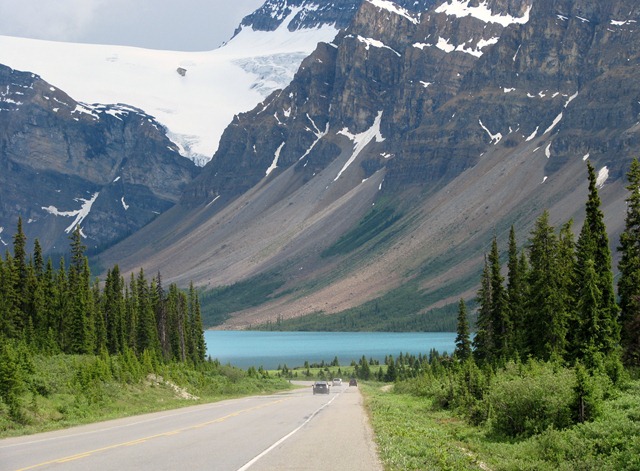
x: 20, y: 287
x: 80, y: 330
x: 546, y: 313
x: 590, y: 309
x: 516, y: 295
x: 593, y: 244
x: 147, y: 333
x: 629, y: 267
x: 196, y: 334
x: 161, y: 318
x: 113, y: 311
x: 483, y: 346
x: 566, y: 282
x: 501, y: 325
x: 463, y: 342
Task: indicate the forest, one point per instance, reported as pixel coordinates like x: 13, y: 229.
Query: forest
x: 75, y: 349
x: 549, y: 379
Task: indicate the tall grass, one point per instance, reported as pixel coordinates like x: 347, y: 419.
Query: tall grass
x: 519, y: 417
x: 64, y: 390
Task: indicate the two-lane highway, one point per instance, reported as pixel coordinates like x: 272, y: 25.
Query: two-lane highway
x: 295, y: 430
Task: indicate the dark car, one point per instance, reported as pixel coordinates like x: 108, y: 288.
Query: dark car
x: 353, y: 382
x: 320, y: 387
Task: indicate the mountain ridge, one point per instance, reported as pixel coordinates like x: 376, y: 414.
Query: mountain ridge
x: 462, y: 120
x: 401, y: 147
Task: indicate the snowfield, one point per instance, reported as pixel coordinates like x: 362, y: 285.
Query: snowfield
x: 195, y: 95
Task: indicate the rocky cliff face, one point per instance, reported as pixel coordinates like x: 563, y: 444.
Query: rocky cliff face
x: 110, y: 169
x: 464, y: 116
x: 309, y: 14
x: 449, y: 82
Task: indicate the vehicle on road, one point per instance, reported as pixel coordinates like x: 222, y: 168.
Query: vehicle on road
x: 320, y: 387
x: 353, y: 382
x: 337, y: 382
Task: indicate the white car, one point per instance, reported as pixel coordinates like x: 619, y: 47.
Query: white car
x: 337, y: 382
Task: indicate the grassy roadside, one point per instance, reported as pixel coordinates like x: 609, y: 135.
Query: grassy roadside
x: 66, y: 390
x: 413, y: 433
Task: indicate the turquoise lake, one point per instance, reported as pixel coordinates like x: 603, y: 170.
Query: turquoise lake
x: 271, y: 349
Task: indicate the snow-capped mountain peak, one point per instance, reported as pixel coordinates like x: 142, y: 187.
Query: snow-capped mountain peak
x: 194, y: 95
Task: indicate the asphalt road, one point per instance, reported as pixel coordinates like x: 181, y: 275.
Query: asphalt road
x: 295, y: 430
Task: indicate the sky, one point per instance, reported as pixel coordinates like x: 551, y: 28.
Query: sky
x: 185, y: 25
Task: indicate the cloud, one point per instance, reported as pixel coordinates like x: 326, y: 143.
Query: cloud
x: 157, y: 24
x: 62, y: 20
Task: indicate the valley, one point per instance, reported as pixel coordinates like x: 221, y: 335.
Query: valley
x: 408, y: 137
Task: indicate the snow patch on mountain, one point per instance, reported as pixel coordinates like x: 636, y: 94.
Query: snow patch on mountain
x: 194, y: 95
x: 79, y: 214
x: 361, y: 140
x: 482, y: 12
x: 393, y: 8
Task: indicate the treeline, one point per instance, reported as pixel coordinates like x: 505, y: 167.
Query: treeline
x: 64, y: 310
x: 558, y: 300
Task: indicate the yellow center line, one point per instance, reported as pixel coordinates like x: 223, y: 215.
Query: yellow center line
x: 138, y: 441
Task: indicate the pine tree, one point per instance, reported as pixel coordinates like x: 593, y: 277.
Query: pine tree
x: 198, y: 345
x: 162, y: 318
x: 501, y: 325
x: 113, y: 311
x: 589, y: 307
x: 147, y: 333
x: 61, y: 302
x: 546, y: 314
x: 483, y: 346
x: 629, y: 267
x: 463, y: 342
x: 566, y: 264
x: 516, y: 294
x: 593, y: 244
x: 21, y: 287
x: 80, y: 330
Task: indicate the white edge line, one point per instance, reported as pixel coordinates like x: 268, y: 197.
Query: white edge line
x: 285, y: 438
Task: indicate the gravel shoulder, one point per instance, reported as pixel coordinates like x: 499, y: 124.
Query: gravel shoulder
x: 339, y: 436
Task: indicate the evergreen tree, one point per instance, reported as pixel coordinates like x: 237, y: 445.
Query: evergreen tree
x: 80, y: 330
x: 131, y: 314
x: 590, y: 308
x: 147, y: 333
x: 11, y: 324
x: 61, y: 302
x: 516, y: 294
x: 501, y: 325
x: 392, y: 371
x: 100, y: 327
x: 546, y: 313
x: 113, y: 311
x: 20, y: 287
x: 463, y: 343
x: 566, y: 282
x: 20, y: 252
x: 483, y: 346
x: 199, y: 348
x: 161, y: 318
x: 629, y: 267
x: 593, y: 244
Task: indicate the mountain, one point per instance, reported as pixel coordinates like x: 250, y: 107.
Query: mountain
x: 370, y: 186
x: 193, y: 94
x: 376, y: 180
x: 109, y: 168
x: 105, y: 152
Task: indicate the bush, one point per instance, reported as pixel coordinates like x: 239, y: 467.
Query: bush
x: 528, y: 399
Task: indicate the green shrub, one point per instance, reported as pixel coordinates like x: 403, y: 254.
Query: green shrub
x: 528, y: 399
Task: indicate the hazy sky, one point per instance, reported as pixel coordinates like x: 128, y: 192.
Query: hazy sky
x: 185, y: 25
